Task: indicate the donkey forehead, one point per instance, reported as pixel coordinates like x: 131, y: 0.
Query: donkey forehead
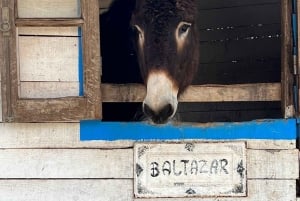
x: 163, y: 11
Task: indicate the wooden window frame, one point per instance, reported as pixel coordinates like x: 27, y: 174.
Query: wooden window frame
x: 68, y: 109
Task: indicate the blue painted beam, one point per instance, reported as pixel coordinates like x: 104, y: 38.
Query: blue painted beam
x: 266, y: 130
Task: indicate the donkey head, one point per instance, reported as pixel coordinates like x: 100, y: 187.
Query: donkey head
x: 166, y: 43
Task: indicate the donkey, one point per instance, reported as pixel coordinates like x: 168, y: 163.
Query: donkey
x: 165, y: 40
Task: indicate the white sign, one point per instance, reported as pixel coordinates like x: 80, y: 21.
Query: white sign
x: 190, y: 169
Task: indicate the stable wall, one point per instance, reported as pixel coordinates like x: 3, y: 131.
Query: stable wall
x: 48, y: 161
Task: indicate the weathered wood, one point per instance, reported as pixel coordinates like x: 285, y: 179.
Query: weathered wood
x: 67, y: 135
x: 4, y: 67
x: 48, y: 8
x: 243, y: 92
x: 265, y: 164
x: 297, y: 60
x: 203, y: 93
x: 48, y: 58
x: 62, y: 109
x: 0, y: 100
x: 66, y: 190
x: 121, y: 190
x: 262, y: 190
x: 91, y: 58
x: 66, y: 163
x: 48, y: 89
x: 286, y: 60
x: 95, y: 163
x: 271, y: 144
x: 49, y: 110
x: 43, y: 59
x: 51, y: 135
x: 49, y: 22
x: 48, y: 31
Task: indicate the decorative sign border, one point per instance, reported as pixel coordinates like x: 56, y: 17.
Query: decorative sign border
x: 190, y: 169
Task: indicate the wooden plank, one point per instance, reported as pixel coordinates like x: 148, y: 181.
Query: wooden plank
x: 261, y: 129
x: 204, y: 93
x: 48, y: 8
x: 91, y: 58
x: 273, y: 164
x: 66, y: 163
x: 48, y: 89
x: 288, y: 109
x: 262, y: 190
x: 5, y: 75
x: 118, y: 163
x: 66, y: 190
x: 51, y: 110
x: 271, y: 144
x: 48, y: 31
x: 49, y: 22
x: 51, y: 135
x: 67, y: 135
x: 122, y: 190
x: 48, y: 58
x: 246, y: 92
x: 0, y: 101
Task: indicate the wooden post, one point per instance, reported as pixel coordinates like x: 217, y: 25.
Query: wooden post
x: 288, y: 108
x: 5, y: 38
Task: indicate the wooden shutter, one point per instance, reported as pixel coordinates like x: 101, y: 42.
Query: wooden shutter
x: 50, y: 20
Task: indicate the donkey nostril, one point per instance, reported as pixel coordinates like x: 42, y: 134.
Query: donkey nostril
x: 148, y: 111
x: 160, y: 116
x: 166, y: 111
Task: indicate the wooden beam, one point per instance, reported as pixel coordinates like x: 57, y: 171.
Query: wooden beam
x: 48, y: 8
x: 48, y: 22
x: 198, y: 93
x: 288, y: 109
x: 67, y: 136
x: 122, y: 190
x: 263, y: 190
x: 118, y: 163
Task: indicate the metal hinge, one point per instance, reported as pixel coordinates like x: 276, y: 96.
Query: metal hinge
x: 5, y: 24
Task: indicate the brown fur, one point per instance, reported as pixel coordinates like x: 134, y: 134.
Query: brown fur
x: 159, y: 20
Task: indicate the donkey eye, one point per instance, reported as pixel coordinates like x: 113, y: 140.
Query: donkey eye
x: 184, y: 27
